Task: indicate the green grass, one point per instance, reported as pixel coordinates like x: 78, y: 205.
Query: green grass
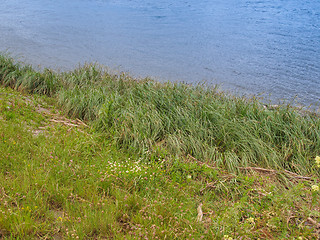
x: 145, y: 117
x: 133, y: 170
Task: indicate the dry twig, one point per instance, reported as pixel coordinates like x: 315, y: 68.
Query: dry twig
x: 294, y: 175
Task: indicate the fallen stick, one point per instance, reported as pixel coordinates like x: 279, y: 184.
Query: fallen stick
x: 294, y: 175
x: 258, y: 169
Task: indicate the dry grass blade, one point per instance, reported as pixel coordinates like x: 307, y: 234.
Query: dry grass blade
x: 313, y: 222
x: 64, y: 122
x: 200, y: 213
x: 81, y: 122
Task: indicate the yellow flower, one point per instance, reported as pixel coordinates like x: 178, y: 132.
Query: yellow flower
x: 315, y: 188
x: 226, y: 237
x: 317, y: 158
x: 250, y: 220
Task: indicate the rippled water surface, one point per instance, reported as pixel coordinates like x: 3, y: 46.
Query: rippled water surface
x: 249, y: 47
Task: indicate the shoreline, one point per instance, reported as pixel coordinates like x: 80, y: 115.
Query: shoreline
x: 265, y: 98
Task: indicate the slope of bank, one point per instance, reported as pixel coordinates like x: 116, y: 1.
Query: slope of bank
x: 140, y: 159
x: 60, y: 179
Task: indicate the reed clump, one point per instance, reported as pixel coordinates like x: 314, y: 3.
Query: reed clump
x: 176, y: 119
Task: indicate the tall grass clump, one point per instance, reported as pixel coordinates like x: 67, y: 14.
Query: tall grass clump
x: 24, y: 78
x: 209, y: 126
x: 145, y: 116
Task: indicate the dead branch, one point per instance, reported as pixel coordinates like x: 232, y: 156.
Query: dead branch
x: 294, y: 175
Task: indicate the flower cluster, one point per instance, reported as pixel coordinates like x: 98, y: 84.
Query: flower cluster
x: 127, y: 167
x: 131, y: 168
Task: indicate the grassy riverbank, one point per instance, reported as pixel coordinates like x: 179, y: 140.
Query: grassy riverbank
x: 143, y: 156
x: 147, y: 117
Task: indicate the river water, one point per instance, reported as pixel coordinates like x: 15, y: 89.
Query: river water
x: 251, y: 47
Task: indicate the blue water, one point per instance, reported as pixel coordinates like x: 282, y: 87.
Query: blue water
x: 268, y: 47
